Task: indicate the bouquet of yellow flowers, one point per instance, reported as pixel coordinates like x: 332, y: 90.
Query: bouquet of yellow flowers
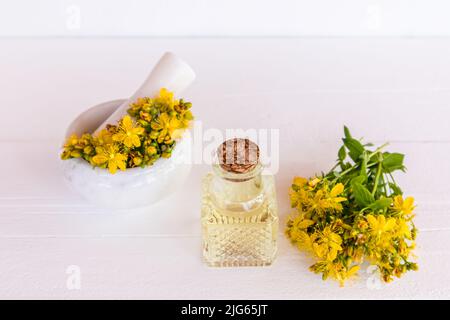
x: 147, y: 133
x: 353, y: 213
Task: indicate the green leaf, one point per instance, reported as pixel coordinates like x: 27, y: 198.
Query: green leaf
x: 342, y: 153
x: 358, y: 179
x: 363, y: 197
x: 393, y: 161
x: 363, y: 171
x: 395, y: 189
x: 355, y: 148
x: 347, y: 133
x: 345, y: 166
x: 381, y: 204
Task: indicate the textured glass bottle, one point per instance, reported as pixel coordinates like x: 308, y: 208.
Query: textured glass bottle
x: 239, y: 209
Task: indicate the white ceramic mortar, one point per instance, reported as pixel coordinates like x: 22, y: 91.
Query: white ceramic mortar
x: 135, y: 187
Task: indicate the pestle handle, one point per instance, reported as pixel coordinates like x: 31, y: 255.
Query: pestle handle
x: 170, y: 72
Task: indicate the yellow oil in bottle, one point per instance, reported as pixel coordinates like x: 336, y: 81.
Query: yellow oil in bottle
x: 239, y: 217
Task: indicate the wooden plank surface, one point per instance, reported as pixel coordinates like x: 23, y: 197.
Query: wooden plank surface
x: 395, y: 90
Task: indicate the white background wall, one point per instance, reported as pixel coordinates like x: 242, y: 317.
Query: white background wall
x: 224, y: 17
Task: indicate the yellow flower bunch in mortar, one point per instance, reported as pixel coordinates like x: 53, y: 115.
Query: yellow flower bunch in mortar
x: 355, y: 213
x: 147, y: 133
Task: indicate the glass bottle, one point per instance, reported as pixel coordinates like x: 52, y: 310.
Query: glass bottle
x: 239, y: 208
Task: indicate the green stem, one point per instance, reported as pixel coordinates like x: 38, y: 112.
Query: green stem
x: 377, y: 150
x: 372, y: 165
x: 335, y: 166
x: 392, y: 178
x: 375, y: 186
x: 384, y: 185
x: 343, y: 173
x: 354, y: 167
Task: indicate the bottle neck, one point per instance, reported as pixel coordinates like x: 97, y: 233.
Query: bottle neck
x: 238, y: 192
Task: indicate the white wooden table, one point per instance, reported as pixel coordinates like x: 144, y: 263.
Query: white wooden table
x: 395, y: 90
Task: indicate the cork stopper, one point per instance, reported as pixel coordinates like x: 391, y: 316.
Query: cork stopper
x: 238, y: 155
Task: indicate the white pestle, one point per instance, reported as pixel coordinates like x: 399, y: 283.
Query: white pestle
x: 170, y: 72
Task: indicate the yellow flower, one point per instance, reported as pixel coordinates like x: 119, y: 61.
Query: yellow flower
x: 298, y: 198
x: 137, y: 161
x: 318, y: 203
x: 334, y: 201
x: 72, y: 141
x: 299, y: 181
x: 380, y: 225
x: 70, y: 148
x: 323, y: 252
x: 404, y: 206
x: 327, y: 244
x: 330, y: 239
x: 128, y: 134
x: 297, y: 231
x: 146, y: 134
x: 104, y: 137
x: 112, y: 157
x: 186, y: 119
x: 363, y: 225
x: 403, y: 229
x: 301, y: 222
x: 151, y: 150
x: 323, y: 200
x: 88, y: 150
x: 76, y: 147
x: 302, y: 239
x: 166, y: 97
x: 335, y: 270
x: 143, y: 101
x: 337, y: 190
x: 166, y: 124
x: 346, y: 274
x: 312, y: 183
